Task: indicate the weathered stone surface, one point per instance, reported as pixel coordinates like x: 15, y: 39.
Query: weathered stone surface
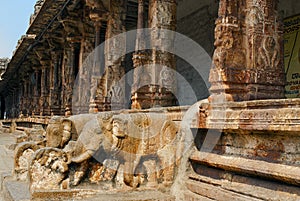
x: 154, y: 78
x: 193, y: 196
x: 256, y: 139
x: 215, y: 193
x: 16, y: 191
x: 138, y: 150
x: 101, y: 152
x: 248, y: 53
x: 263, y: 190
x: 279, y: 172
x: 47, y: 169
x: 263, y: 115
x: 23, y: 155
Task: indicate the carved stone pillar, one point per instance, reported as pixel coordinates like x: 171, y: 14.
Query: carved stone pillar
x: 72, y: 24
x: 98, y: 13
x: 31, y: 94
x: 45, y: 89
x: 115, y: 48
x: 141, y: 58
x: 69, y: 75
x: 247, y: 62
x: 55, y: 103
x: 159, y: 77
x: 87, y: 46
x: 140, y: 40
x: 96, y: 96
x: 21, y: 86
x: 25, y: 96
x: 36, y: 91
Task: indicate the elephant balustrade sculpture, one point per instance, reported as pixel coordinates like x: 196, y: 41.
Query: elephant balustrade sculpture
x: 115, y: 150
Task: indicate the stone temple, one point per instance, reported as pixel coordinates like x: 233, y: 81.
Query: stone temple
x: 151, y: 100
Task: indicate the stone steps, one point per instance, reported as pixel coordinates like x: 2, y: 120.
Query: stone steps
x: 19, y: 191
x: 232, y: 178
x: 257, y: 168
x: 189, y: 196
x: 240, y: 188
x: 216, y: 192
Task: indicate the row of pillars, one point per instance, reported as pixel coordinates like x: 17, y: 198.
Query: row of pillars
x: 154, y: 82
x: 247, y: 62
x: 48, y: 90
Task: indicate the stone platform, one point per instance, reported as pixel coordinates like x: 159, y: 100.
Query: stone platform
x: 256, y: 155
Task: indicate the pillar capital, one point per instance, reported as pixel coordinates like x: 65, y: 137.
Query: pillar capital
x: 45, y: 64
x: 98, y: 12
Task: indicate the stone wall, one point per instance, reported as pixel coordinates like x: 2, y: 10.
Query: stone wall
x: 276, y: 147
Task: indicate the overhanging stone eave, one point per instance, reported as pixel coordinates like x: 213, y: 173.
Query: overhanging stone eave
x: 45, y: 15
x: 15, y: 61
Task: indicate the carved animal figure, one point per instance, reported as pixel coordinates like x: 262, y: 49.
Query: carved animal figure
x: 142, y: 145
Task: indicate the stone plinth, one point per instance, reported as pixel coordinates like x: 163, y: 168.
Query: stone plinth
x: 263, y: 115
x: 247, y: 150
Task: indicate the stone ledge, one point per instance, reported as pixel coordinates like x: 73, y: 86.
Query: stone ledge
x: 260, y: 115
x: 94, y: 195
x: 279, y: 172
x: 189, y: 196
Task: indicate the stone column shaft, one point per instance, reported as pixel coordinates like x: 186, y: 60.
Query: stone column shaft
x: 140, y: 42
x: 54, y: 84
x: 69, y: 77
x: 247, y: 62
x: 87, y: 46
x: 45, y: 89
x: 115, y: 48
x: 98, y: 13
x: 141, y: 58
x: 154, y: 79
x: 36, y: 95
x: 96, y: 99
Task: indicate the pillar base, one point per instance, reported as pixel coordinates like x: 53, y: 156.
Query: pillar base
x: 151, y: 96
x: 93, y: 108
x: 246, y: 84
